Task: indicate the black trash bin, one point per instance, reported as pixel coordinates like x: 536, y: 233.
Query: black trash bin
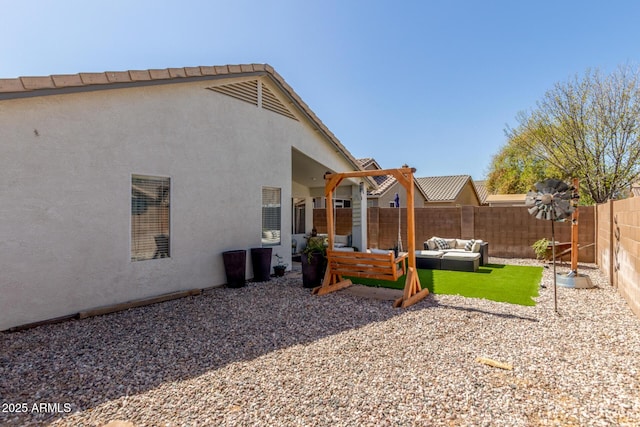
x: 235, y: 263
x: 261, y: 262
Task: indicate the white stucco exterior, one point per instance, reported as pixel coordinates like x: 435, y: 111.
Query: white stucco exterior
x: 66, y: 162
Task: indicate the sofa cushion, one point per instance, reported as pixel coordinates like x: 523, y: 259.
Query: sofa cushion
x: 459, y: 244
x: 429, y: 254
x: 461, y: 255
x: 379, y: 251
x: 430, y: 245
x: 454, y: 250
x: 340, y: 239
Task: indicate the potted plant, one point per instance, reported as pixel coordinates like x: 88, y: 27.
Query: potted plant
x: 281, y: 267
x: 314, y: 262
x: 540, y: 248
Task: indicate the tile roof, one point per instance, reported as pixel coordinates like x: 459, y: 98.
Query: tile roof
x: 59, y: 84
x: 367, y: 162
x: 443, y: 188
x: 482, y: 191
x: 384, y: 182
x: 64, y: 81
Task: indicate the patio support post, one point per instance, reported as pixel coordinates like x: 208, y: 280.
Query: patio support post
x: 359, y: 216
x: 308, y: 214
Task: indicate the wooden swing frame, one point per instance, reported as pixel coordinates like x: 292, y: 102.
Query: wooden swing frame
x: 373, y: 267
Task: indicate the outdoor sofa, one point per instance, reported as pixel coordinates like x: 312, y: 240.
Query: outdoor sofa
x: 452, y: 254
x: 339, y: 240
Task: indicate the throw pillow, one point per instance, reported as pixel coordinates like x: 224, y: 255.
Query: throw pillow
x: 441, y: 243
x: 476, y: 246
x: 469, y: 245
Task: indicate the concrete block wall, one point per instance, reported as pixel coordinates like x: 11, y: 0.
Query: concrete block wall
x: 510, y: 231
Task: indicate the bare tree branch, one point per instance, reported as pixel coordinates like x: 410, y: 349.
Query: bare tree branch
x: 588, y: 127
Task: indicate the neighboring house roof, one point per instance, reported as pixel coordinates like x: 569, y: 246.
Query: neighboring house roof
x: 635, y: 189
x: 369, y: 163
x: 482, y: 191
x: 506, y: 199
x: 444, y: 188
x: 21, y: 87
x: 384, y: 182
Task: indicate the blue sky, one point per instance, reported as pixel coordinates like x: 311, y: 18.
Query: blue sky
x: 430, y: 84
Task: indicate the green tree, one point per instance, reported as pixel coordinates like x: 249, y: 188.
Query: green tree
x: 588, y: 128
x: 515, y: 170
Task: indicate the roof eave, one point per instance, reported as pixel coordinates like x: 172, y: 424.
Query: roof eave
x: 25, y: 87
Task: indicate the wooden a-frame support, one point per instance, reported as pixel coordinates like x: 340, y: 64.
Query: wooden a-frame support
x: 333, y: 281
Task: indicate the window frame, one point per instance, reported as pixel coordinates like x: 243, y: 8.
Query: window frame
x: 271, y: 215
x: 149, y: 237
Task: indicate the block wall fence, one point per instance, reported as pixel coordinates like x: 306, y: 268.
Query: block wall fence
x: 608, y: 234
x: 618, y: 247
x: 510, y: 231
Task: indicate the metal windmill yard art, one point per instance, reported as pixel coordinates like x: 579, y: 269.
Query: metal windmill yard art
x: 552, y: 201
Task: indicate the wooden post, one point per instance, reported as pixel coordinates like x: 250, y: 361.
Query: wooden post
x: 329, y: 208
x: 612, y: 246
x: 411, y: 223
x: 596, y: 240
x: 574, y: 233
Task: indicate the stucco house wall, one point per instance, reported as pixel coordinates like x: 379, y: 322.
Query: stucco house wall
x: 66, y: 162
x: 468, y: 196
x: 389, y: 196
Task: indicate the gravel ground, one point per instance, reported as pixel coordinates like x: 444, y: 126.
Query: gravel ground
x: 271, y: 354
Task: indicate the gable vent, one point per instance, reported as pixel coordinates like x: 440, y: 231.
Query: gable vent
x: 271, y: 103
x: 260, y: 96
x: 244, y: 91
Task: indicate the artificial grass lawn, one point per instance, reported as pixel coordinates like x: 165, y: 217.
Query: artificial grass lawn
x: 514, y: 284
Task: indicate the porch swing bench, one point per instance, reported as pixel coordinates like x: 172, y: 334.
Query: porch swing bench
x: 367, y: 265
x: 380, y: 266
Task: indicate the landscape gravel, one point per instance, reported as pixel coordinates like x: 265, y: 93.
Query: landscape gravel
x: 271, y: 354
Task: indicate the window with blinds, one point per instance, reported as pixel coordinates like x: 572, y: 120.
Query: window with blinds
x: 150, y: 205
x: 271, y: 217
